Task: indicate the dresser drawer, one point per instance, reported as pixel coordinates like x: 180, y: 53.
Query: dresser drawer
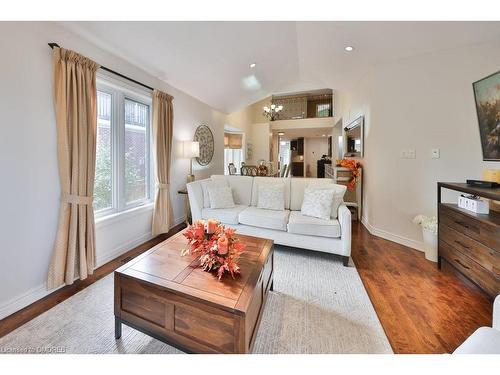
x: 481, y: 276
x: 486, y: 233
x: 486, y: 257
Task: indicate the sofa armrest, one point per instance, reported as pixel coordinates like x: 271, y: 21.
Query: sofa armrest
x: 195, y: 196
x: 344, y: 217
x: 496, y: 313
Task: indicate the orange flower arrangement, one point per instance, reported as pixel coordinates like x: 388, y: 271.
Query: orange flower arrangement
x: 216, y: 247
x: 354, y: 166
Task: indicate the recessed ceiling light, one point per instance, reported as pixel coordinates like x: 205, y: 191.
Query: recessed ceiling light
x: 323, y: 135
x: 281, y: 133
x: 349, y: 48
x: 253, y: 65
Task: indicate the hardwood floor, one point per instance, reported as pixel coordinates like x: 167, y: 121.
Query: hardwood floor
x: 422, y: 309
x: 17, y: 319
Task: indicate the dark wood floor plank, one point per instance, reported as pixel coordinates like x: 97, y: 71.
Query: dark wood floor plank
x: 422, y: 309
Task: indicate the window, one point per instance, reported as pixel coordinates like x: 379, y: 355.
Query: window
x: 123, y: 177
x: 232, y: 155
x: 323, y: 110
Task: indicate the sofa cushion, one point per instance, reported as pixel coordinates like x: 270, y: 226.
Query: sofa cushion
x: 312, y: 226
x: 242, y: 187
x: 298, y: 185
x: 220, y: 197
x: 211, y: 182
x: 485, y: 340
x: 271, y: 197
x: 224, y: 215
x: 270, y: 219
x: 270, y: 180
x: 317, y: 203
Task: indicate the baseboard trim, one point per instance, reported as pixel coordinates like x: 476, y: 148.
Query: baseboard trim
x: 417, y: 245
x: 21, y: 301
x: 123, y: 248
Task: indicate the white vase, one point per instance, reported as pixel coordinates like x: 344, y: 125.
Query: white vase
x: 430, y: 245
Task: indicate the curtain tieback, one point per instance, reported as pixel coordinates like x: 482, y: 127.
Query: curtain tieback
x: 76, y: 199
x: 162, y: 186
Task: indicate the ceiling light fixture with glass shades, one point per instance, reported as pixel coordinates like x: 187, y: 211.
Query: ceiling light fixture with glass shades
x: 272, y: 113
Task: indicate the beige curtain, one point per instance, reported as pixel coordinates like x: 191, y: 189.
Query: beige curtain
x: 75, y: 100
x: 163, y: 118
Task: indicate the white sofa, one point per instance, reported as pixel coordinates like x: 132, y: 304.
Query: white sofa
x: 485, y: 340
x: 288, y: 227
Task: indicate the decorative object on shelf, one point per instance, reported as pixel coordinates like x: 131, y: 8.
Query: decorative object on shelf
x: 249, y: 170
x: 492, y: 175
x: 487, y: 97
x: 216, y: 247
x: 429, y: 226
x: 190, y: 150
x: 204, y: 136
x: 354, y: 166
x: 473, y: 203
x: 187, y: 207
x: 272, y: 112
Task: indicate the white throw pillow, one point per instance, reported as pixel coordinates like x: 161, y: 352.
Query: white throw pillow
x: 317, y: 203
x: 220, y: 197
x: 216, y: 182
x: 271, y: 196
x: 338, y: 194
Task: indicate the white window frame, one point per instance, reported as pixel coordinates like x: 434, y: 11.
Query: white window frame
x: 119, y: 91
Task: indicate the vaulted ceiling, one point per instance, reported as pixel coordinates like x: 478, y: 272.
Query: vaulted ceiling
x: 211, y: 60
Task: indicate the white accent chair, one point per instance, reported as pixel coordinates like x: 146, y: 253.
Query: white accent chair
x: 485, y: 340
x: 288, y: 227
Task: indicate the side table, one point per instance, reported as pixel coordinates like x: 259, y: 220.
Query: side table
x: 186, y: 205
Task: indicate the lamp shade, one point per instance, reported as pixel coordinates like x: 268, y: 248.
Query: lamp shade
x: 190, y: 149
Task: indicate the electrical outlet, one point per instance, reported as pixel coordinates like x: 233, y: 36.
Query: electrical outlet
x: 435, y: 153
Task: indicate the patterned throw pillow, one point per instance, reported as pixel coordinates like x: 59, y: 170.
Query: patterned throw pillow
x: 216, y: 182
x: 338, y: 193
x: 220, y: 197
x: 271, y: 197
x: 317, y: 203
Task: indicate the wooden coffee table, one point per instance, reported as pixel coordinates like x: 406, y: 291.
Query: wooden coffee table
x: 170, y: 298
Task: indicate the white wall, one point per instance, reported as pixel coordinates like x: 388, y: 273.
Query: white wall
x: 29, y: 178
x: 314, y: 149
x: 260, y: 141
x: 422, y: 102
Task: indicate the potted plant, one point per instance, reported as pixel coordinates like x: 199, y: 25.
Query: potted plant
x: 429, y: 231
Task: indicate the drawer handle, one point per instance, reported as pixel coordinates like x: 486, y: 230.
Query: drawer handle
x: 462, y: 224
x: 461, y: 244
x: 463, y: 265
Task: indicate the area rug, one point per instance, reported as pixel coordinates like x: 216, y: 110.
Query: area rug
x: 317, y: 306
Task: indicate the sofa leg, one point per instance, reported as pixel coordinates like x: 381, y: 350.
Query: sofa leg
x: 345, y: 260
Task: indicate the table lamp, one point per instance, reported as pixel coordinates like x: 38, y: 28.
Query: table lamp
x: 190, y: 150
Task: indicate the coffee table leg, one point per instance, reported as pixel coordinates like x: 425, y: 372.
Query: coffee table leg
x: 118, y: 328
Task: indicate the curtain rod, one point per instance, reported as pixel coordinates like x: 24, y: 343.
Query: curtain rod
x: 52, y: 45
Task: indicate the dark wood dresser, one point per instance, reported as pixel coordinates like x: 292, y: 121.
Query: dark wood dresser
x: 470, y: 242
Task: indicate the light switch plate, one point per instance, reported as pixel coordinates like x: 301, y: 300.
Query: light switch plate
x: 435, y: 153
x: 408, y: 154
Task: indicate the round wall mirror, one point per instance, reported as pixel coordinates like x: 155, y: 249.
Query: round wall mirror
x: 204, y: 136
